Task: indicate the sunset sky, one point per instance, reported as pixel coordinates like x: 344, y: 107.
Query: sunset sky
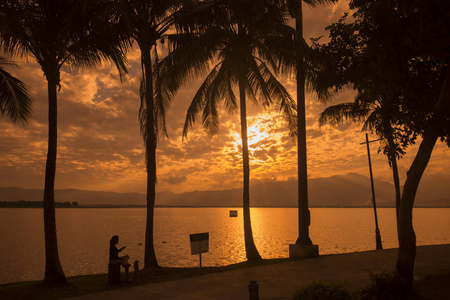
x: 100, y: 148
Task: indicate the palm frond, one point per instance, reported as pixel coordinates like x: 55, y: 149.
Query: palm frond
x: 215, y: 94
x: 256, y: 81
x: 281, y: 45
x: 370, y: 122
x: 281, y: 96
x: 294, y: 5
x: 198, y: 102
x: 314, y: 3
x: 162, y: 100
x: 339, y: 113
x: 15, y: 101
x: 229, y: 97
x: 143, y: 110
x: 188, y: 59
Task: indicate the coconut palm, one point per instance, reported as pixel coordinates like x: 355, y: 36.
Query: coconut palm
x: 147, y: 22
x: 296, y: 11
x: 240, y: 42
x: 377, y: 115
x: 57, y: 33
x: 15, y: 101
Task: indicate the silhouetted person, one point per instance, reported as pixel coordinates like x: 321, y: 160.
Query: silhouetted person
x: 114, y: 257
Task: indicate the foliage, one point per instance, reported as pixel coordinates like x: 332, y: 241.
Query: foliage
x: 15, y: 101
x: 237, y: 45
x: 321, y: 291
x: 396, y: 93
x: 397, y: 52
x: 146, y: 22
x: 386, y: 286
x: 240, y: 50
x: 57, y: 33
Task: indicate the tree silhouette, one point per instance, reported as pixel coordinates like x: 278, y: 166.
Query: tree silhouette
x: 376, y: 115
x: 56, y: 33
x: 15, y: 101
x: 147, y: 22
x: 240, y: 40
x: 304, y: 219
x: 403, y: 57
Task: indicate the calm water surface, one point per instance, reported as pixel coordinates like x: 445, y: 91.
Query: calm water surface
x: 83, y: 235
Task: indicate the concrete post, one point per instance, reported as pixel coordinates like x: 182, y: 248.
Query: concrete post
x: 127, y: 272
x: 136, y: 270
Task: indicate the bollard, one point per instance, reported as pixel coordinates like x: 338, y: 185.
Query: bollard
x: 127, y: 272
x: 136, y: 270
x: 253, y: 290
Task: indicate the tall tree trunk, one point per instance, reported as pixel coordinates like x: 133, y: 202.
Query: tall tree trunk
x: 250, y: 248
x: 53, y: 269
x: 304, y: 218
x: 406, y: 235
x: 389, y: 134
x: 150, y: 149
x: 393, y: 161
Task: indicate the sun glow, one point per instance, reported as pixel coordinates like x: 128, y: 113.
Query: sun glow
x: 256, y: 133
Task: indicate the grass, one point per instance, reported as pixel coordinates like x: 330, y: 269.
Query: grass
x: 87, y: 284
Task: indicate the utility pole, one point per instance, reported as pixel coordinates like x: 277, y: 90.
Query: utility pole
x: 377, y: 230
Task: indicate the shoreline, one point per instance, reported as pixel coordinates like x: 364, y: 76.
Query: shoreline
x: 186, y: 206
x: 231, y: 266
x: 277, y: 277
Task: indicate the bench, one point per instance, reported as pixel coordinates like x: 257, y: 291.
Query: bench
x: 114, y: 273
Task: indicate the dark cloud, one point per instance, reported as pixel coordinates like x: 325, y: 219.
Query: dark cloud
x: 176, y: 179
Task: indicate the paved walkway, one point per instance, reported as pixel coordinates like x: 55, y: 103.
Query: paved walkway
x: 278, y: 281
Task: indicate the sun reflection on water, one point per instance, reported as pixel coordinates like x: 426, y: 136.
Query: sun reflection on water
x: 83, y: 235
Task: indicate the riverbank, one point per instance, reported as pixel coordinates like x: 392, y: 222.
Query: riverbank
x: 277, y: 278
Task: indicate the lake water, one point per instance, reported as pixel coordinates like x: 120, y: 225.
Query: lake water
x: 84, y: 234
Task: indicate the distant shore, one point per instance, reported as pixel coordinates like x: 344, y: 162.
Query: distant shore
x: 39, y: 204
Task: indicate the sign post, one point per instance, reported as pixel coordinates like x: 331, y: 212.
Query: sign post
x: 199, y: 244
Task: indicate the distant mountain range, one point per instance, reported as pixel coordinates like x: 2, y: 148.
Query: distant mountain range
x: 351, y: 190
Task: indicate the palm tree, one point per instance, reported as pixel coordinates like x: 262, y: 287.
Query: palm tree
x: 147, y: 22
x: 15, y: 101
x: 377, y: 115
x: 57, y: 33
x: 239, y: 40
x: 304, y: 219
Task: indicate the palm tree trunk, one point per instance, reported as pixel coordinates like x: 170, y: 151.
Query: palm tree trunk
x: 304, y: 218
x: 406, y: 235
x: 53, y: 269
x: 250, y: 248
x: 149, y: 254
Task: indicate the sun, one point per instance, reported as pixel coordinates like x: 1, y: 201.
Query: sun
x: 255, y: 134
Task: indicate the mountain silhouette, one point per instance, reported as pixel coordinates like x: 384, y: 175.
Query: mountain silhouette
x: 350, y: 190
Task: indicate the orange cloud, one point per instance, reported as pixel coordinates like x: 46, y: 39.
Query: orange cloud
x: 100, y: 148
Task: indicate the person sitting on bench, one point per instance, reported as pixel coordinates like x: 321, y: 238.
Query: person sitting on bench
x: 114, y: 257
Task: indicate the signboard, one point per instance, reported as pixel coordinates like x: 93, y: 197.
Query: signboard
x: 199, y: 243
